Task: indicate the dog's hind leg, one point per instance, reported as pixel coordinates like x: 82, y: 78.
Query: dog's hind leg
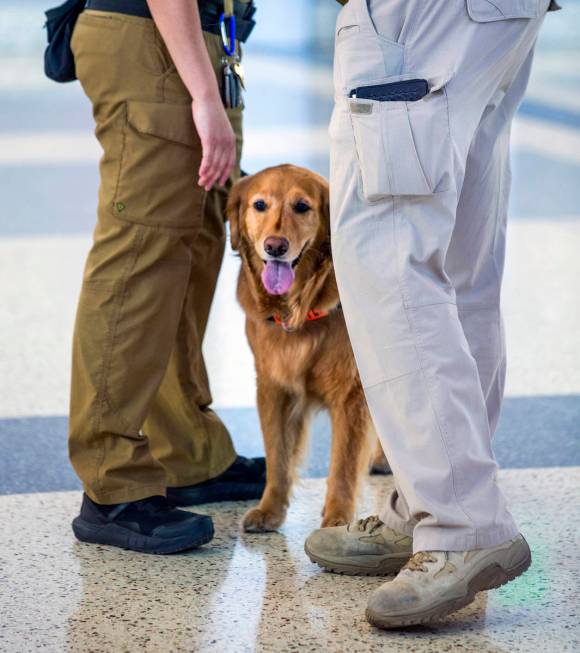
x: 350, y: 455
x: 284, y: 424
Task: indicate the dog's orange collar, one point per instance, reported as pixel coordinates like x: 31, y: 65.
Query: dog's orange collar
x: 313, y: 314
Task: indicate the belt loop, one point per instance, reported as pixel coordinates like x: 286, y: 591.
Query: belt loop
x: 228, y: 8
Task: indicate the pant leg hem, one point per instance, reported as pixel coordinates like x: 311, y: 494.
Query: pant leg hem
x: 126, y: 495
x: 399, y: 525
x: 202, y: 475
x: 439, y: 539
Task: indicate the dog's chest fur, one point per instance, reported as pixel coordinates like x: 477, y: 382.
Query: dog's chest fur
x: 310, y: 361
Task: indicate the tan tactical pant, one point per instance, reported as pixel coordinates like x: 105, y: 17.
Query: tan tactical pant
x: 419, y: 196
x: 140, y: 419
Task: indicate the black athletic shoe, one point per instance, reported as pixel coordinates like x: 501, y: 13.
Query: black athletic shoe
x: 152, y: 525
x: 242, y: 481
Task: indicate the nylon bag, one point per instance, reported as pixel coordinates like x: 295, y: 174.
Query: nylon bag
x: 59, y: 63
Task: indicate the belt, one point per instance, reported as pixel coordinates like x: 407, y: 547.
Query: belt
x: 209, y: 11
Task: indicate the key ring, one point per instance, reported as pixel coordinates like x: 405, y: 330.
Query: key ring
x: 229, y: 45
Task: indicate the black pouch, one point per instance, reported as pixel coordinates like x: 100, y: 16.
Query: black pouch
x: 59, y: 63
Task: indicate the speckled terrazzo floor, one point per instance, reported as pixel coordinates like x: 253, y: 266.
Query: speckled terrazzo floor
x: 260, y: 593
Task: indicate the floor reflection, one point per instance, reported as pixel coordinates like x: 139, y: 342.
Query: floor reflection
x: 259, y: 593
x: 250, y: 592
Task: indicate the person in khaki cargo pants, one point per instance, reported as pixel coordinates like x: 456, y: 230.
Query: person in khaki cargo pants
x: 140, y: 423
x: 419, y: 194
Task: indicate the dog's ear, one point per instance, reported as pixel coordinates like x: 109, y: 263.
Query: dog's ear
x: 234, y: 209
x: 324, y: 202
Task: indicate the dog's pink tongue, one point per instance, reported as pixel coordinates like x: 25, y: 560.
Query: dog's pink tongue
x: 277, y: 277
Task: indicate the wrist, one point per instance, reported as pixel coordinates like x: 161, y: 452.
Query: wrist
x: 206, y: 94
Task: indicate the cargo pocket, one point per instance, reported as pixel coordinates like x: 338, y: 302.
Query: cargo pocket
x: 403, y: 148
x: 157, y: 181
x: 486, y: 11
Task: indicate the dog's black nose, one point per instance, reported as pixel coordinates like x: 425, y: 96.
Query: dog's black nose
x: 275, y: 246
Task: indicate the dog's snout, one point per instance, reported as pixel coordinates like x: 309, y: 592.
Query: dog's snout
x: 275, y: 246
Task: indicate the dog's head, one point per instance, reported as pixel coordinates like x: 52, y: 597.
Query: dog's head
x: 276, y: 216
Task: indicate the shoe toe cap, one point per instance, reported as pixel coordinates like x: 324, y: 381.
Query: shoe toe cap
x: 392, y: 598
x: 198, y: 524
x: 325, y: 542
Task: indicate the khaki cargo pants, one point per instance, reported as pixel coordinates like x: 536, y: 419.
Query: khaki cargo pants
x: 139, y: 418
x: 419, y: 201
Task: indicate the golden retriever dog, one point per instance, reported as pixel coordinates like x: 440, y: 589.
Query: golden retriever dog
x: 279, y: 222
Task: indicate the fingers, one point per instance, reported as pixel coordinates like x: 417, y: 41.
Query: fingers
x: 217, y: 162
x: 218, y: 142
x: 207, y: 168
x: 230, y: 162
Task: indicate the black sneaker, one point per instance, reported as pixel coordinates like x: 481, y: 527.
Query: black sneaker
x: 242, y: 481
x: 151, y: 525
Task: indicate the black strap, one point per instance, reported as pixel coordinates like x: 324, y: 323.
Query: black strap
x: 209, y: 11
x: 131, y: 7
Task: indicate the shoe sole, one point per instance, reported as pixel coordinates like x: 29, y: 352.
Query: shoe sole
x: 115, y: 535
x: 387, y: 567
x: 489, y: 578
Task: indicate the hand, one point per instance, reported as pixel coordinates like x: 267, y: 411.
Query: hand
x: 180, y: 27
x: 218, y: 141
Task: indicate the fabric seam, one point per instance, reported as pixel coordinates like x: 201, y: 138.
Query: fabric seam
x: 107, y: 358
x: 389, y: 380
x: 419, y: 351
x: 438, y: 420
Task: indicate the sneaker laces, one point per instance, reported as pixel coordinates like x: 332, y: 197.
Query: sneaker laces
x: 417, y: 561
x: 372, y: 523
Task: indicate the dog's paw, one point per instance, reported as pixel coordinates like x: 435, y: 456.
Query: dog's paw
x: 334, y: 520
x: 337, y: 513
x: 259, y: 521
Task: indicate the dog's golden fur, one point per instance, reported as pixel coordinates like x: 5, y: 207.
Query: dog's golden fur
x: 302, y: 365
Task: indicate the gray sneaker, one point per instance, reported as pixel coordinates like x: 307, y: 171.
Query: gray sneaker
x: 434, y: 584
x: 364, y: 548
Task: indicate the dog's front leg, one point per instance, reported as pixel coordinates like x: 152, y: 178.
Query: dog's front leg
x: 349, y: 457
x: 281, y: 427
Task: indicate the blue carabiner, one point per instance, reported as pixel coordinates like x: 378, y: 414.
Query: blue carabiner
x: 229, y: 45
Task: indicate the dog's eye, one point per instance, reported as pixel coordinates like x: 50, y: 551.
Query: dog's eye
x: 260, y: 205
x: 301, y: 207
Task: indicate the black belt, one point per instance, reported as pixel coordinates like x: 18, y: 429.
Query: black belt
x: 209, y: 11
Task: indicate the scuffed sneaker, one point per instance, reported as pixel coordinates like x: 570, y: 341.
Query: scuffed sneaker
x: 434, y: 584
x: 363, y: 548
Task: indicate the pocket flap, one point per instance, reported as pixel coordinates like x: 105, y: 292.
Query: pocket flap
x: 484, y: 11
x: 172, y: 122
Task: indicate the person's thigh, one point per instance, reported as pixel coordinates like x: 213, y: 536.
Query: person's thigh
x: 475, y: 259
